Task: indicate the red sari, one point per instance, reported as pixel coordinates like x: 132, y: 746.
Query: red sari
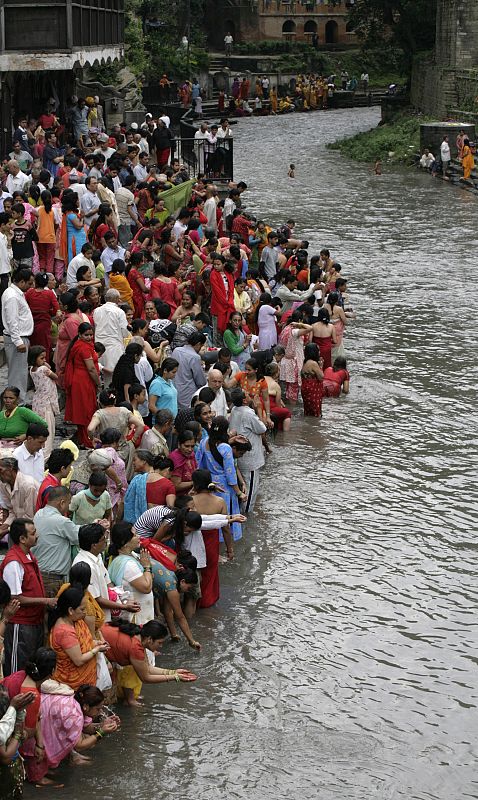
x: 312, y: 393
x: 167, y: 292
x: 138, y: 296
x: 81, y: 401
x: 67, y: 331
x: 325, y: 346
x: 43, y: 305
x: 210, y: 573
x: 222, y: 302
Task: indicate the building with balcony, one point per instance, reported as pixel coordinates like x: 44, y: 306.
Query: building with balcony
x: 44, y: 47
x: 323, y: 22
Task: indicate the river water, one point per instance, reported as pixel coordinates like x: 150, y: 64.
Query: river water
x: 341, y: 661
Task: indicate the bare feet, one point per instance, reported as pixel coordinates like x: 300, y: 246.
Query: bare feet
x: 133, y: 703
x: 44, y: 782
x: 78, y: 760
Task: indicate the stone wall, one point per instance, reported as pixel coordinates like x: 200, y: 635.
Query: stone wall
x: 446, y: 81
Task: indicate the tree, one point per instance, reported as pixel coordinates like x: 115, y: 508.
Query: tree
x: 406, y: 24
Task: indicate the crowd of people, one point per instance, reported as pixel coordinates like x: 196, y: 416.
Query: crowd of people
x: 152, y: 358
x: 465, y: 153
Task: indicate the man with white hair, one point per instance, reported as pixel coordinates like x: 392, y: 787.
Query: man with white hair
x: 104, y: 148
x: 17, y: 180
x: 111, y: 327
x: 215, y: 380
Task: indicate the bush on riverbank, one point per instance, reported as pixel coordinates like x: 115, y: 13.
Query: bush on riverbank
x: 396, y: 142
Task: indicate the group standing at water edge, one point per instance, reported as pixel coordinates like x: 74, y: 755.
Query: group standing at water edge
x: 174, y: 347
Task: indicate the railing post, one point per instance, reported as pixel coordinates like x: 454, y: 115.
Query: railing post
x: 69, y: 25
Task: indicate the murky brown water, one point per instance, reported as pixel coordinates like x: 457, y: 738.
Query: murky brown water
x: 341, y: 661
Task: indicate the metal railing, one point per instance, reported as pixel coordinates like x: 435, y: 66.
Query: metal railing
x: 215, y: 160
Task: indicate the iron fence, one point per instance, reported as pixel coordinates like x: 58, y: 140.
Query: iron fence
x: 213, y: 159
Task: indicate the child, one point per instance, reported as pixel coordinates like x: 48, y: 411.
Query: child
x: 92, y: 503
x: 110, y: 439
x: 119, y: 281
x: 291, y: 172
x: 23, y: 236
x: 45, y: 396
x: 5, y: 250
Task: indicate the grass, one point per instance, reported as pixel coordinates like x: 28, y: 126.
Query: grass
x: 396, y: 142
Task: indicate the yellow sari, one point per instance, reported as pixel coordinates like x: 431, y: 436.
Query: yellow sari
x: 468, y: 162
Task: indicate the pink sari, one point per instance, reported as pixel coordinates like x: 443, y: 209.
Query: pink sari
x: 62, y: 724
x: 66, y: 333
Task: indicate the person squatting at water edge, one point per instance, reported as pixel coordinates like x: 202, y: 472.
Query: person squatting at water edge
x: 150, y: 373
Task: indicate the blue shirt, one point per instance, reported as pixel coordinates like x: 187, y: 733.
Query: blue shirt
x: 166, y: 395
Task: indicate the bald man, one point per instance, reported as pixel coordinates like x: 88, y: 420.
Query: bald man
x: 215, y: 380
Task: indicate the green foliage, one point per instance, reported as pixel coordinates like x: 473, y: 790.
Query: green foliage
x: 136, y: 57
x: 154, y: 29
x: 272, y: 47
x: 383, y: 66
x: 401, y: 138
x: 407, y: 25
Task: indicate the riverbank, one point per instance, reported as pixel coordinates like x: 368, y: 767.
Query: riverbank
x: 394, y: 142
x: 343, y: 633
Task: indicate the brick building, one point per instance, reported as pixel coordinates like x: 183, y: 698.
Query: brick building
x: 287, y: 20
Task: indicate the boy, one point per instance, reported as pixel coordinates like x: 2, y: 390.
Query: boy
x: 23, y: 236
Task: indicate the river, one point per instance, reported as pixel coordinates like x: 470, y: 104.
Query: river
x: 341, y: 661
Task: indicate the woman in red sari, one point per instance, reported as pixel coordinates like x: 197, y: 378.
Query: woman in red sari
x: 312, y: 381
x: 104, y: 223
x: 82, y: 381
x: 324, y: 335
x: 205, y: 502
x: 165, y: 287
x: 44, y: 306
x: 136, y: 281
x: 222, y: 298
x: 184, y: 462
x: 67, y: 331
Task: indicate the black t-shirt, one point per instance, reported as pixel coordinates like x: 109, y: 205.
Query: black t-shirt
x: 123, y: 374
x: 23, y: 236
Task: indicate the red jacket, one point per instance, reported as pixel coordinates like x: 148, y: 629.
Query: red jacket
x: 222, y: 304
x: 32, y: 586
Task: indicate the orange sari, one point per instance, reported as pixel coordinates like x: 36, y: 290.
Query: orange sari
x: 63, y: 637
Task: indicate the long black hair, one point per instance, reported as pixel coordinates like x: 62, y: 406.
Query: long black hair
x: 70, y: 598
x: 153, y: 628
x: 218, y: 434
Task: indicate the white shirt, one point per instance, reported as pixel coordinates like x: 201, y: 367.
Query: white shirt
x: 3, y: 196
x: 108, y: 256
x: 13, y: 575
x: 106, y: 153
x: 219, y: 404
x: 99, y: 577
x: 78, y: 261
x: 30, y: 464
x: 210, y: 212
x: 17, y: 183
x: 228, y: 39
x: 229, y: 207
x: 143, y: 146
x: 5, y: 265
x: 16, y: 315
x: 427, y: 160
x: 89, y: 204
x: 140, y: 173
x: 179, y: 229
x: 79, y: 188
x: 445, y: 151
x: 111, y: 327
x: 146, y: 601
